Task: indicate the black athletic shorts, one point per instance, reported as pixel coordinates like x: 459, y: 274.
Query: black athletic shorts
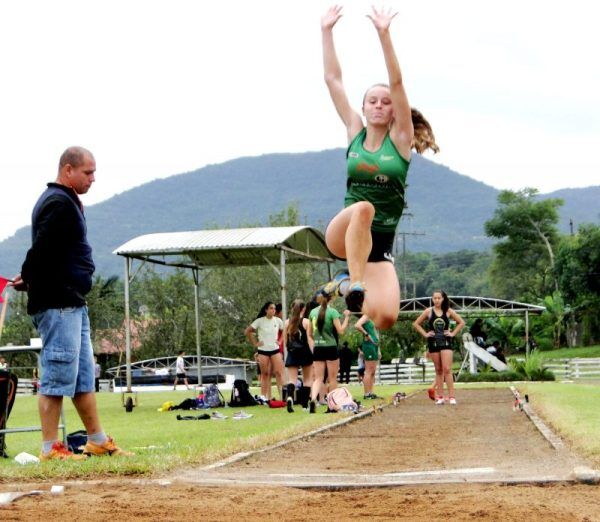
x: 326, y: 353
x: 269, y: 353
x: 432, y: 348
x: 299, y: 357
x: 382, y: 247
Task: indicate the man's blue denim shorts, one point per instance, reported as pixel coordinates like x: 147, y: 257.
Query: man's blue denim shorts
x: 67, y: 356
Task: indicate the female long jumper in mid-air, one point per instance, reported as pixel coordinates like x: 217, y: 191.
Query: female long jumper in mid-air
x: 378, y: 158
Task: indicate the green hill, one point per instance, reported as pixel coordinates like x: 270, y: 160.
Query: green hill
x: 447, y: 207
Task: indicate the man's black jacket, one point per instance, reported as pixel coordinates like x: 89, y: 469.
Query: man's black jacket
x: 58, y: 268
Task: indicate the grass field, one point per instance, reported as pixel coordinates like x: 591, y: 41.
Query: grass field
x: 572, y: 410
x: 163, y: 443
x: 570, y: 353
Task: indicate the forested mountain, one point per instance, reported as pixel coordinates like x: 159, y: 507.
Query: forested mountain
x: 447, y: 207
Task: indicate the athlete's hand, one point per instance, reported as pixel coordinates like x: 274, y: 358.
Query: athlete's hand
x: 448, y: 333
x: 381, y: 19
x: 347, y: 313
x: 330, y: 18
x: 260, y: 344
x: 17, y: 283
x: 430, y: 333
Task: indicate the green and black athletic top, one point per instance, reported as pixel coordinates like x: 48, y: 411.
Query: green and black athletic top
x: 377, y: 177
x: 437, y: 324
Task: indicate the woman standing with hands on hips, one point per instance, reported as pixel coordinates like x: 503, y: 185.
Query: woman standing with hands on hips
x: 263, y: 334
x: 439, y: 341
x: 378, y: 159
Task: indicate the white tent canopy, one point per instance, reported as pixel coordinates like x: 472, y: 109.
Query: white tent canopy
x: 200, y: 249
x: 230, y: 247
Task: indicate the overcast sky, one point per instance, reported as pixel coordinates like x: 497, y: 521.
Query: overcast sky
x: 156, y: 88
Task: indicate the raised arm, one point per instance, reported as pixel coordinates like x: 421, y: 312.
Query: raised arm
x: 360, y: 327
x: 340, y: 327
x: 401, y: 131
x: 333, y: 74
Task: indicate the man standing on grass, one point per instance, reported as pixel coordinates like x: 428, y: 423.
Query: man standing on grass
x: 180, y: 371
x: 57, y: 274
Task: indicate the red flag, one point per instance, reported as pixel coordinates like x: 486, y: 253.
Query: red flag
x: 3, y: 283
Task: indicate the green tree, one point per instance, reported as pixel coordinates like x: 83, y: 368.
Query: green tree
x: 165, y: 308
x: 556, y: 312
x: 457, y: 273
x: 523, y: 267
x: 578, y: 273
x: 508, y: 331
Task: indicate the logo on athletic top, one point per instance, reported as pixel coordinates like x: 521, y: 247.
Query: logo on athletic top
x: 383, y: 157
x: 381, y: 178
x: 389, y: 257
x: 353, y: 154
x: 365, y: 167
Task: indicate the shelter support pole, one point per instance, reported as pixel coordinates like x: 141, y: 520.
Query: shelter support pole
x: 127, y: 325
x: 283, y: 304
x: 197, y: 317
x: 526, y: 332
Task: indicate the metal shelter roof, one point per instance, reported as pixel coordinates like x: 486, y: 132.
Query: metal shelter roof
x: 467, y: 305
x: 229, y: 247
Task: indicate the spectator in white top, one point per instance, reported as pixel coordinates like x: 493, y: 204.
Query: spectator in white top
x: 180, y: 371
x: 263, y: 334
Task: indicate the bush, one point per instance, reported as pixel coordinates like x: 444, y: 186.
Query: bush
x: 506, y: 376
x: 532, y: 367
x: 544, y: 344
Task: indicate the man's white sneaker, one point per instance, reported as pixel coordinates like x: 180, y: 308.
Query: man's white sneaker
x: 216, y: 415
x: 452, y: 401
x: 439, y: 400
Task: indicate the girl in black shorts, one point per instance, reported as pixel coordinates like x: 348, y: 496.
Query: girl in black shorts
x: 325, y: 321
x: 298, y: 336
x: 439, y: 341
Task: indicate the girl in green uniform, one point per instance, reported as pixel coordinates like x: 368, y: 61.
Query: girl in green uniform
x: 378, y: 159
x: 372, y: 354
x: 325, y: 320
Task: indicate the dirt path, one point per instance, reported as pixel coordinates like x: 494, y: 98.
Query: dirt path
x: 413, y: 442
x: 480, y: 439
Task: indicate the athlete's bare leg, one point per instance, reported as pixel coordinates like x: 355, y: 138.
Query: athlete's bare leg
x: 348, y: 236
x: 382, y: 298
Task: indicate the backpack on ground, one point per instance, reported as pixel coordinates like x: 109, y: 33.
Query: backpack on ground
x: 186, y: 404
x: 340, y: 399
x: 8, y: 390
x: 240, y: 394
x: 213, y: 397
